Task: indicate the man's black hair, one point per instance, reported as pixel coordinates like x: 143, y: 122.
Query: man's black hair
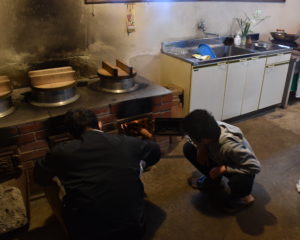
x: 200, y: 124
x: 78, y: 120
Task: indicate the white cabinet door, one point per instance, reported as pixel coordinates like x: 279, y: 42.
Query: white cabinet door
x: 273, y: 85
x: 279, y: 58
x: 207, y: 88
x: 254, y: 80
x: 236, y: 78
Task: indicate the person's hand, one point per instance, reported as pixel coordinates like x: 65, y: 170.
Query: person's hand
x: 100, y: 125
x: 217, y: 171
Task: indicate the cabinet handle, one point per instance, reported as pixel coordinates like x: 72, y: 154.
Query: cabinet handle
x: 282, y: 54
x: 282, y: 63
x: 277, y: 64
x: 222, y: 66
x: 270, y: 66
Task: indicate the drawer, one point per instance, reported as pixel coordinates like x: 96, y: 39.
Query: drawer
x: 278, y: 58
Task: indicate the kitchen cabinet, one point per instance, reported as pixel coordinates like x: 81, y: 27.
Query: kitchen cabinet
x: 229, y: 88
x: 274, y: 80
x: 252, y: 89
x: 243, y: 86
x: 236, y: 78
x: 177, y: 72
x: 207, y: 88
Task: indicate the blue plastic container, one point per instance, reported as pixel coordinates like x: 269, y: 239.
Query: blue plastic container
x: 204, y: 49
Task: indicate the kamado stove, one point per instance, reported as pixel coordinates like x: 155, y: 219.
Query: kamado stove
x: 53, y: 87
x: 116, y: 79
x: 6, y: 105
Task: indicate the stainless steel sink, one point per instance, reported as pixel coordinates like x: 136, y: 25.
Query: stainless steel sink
x: 192, y: 43
x: 187, y: 48
x: 228, y: 51
x: 220, y: 51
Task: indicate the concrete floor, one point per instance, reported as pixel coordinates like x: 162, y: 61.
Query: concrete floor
x: 176, y: 211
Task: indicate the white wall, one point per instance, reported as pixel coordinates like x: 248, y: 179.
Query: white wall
x: 34, y: 31
x: 157, y: 22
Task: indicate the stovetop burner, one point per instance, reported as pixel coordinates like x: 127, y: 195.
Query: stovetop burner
x: 289, y: 43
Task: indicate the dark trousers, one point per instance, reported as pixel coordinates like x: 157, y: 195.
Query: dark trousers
x: 240, y: 184
x: 86, y: 224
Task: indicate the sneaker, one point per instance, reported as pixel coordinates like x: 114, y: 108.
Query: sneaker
x: 196, y: 182
x: 204, y: 183
x: 235, y: 205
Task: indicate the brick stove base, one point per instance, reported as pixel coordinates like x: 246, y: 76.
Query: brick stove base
x: 32, y: 139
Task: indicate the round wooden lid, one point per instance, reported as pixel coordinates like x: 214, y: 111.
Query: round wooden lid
x: 55, y: 85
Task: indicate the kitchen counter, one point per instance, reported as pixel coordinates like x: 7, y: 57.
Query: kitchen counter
x: 185, y: 49
x: 89, y: 99
x: 240, y: 80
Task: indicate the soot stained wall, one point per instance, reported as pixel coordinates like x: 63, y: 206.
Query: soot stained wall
x: 49, y: 28
x: 40, y: 33
x: 49, y: 33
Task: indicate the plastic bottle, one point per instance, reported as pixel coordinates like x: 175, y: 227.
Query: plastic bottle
x: 237, y: 40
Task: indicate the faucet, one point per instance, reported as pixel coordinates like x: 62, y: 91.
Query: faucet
x: 202, y: 27
x: 212, y: 34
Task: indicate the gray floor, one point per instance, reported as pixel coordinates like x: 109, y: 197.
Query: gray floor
x: 176, y: 211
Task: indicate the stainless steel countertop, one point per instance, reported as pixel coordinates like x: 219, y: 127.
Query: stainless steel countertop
x: 184, y: 49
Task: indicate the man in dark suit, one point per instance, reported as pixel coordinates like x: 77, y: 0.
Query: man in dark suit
x: 101, y: 176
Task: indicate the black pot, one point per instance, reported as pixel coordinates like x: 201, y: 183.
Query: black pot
x: 284, y: 36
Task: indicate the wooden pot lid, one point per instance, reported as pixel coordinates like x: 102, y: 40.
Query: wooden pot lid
x: 52, y: 78
x: 119, y: 71
x: 56, y: 85
x: 5, y: 86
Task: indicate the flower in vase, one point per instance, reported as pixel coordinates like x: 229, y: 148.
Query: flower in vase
x: 247, y: 23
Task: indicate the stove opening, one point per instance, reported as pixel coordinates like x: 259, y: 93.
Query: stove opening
x: 138, y: 126
x: 134, y: 107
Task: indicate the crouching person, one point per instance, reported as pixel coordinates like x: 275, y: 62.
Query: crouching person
x: 100, y: 173
x: 218, y: 149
